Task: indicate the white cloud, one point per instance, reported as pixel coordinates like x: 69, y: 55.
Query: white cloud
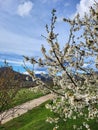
x: 83, y: 6
x: 25, y: 8
x: 36, y: 72
x: 26, y: 73
x: 40, y: 72
x: 18, y: 44
x: 16, y: 62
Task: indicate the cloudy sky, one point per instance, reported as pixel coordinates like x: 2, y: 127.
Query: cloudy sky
x: 23, y: 21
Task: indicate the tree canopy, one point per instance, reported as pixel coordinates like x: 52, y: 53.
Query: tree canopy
x: 73, y: 69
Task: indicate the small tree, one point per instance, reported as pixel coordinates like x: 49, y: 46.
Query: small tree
x: 9, y: 87
x: 77, y: 85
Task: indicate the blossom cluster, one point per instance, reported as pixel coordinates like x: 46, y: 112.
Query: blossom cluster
x: 75, y: 86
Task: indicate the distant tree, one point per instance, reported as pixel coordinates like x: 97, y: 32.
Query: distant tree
x: 73, y: 69
x: 8, y: 89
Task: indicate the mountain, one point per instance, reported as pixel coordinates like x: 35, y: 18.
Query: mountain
x: 17, y: 75
x: 26, y: 80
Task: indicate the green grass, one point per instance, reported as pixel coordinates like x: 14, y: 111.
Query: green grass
x: 23, y: 96
x: 35, y: 120
x: 32, y: 120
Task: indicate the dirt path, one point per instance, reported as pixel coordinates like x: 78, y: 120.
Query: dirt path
x: 21, y: 109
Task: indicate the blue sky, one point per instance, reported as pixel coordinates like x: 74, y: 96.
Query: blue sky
x: 23, y: 21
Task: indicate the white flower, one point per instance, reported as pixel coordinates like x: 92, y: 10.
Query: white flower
x: 74, y: 126
x: 87, y: 126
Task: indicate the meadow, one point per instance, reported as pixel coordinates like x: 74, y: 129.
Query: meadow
x: 24, y: 95
x: 35, y: 119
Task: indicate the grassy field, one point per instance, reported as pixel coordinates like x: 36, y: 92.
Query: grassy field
x: 35, y: 120
x: 23, y: 96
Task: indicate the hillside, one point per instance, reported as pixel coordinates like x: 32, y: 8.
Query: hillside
x: 4, y: 71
